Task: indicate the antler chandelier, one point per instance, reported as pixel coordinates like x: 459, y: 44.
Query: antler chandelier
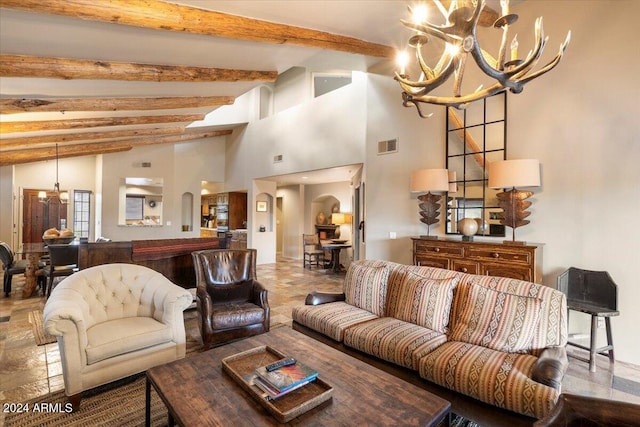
x: 459, y: 36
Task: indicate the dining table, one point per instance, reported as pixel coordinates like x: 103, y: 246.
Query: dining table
x: 335, y: 249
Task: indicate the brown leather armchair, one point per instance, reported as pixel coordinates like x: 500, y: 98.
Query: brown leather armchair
x: 231, y: 303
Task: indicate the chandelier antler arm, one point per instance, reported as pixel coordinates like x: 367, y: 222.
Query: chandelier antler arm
x: 432, y: 30
x: 455, y: 101
x: 441, y: 75
x: 551, y: 65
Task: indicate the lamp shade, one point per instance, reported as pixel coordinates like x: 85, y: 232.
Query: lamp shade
x: 429, y: 180
x: 340, y: 218
x: 514, y: 173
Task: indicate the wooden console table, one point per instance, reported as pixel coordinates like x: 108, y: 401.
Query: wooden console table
x: 522, y: 262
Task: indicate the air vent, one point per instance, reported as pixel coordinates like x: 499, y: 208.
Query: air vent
x: 388, y: 146
x: 142, y: 165
x: 277, y: 159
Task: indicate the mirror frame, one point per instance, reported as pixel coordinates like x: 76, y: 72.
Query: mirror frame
x: 481, y: 118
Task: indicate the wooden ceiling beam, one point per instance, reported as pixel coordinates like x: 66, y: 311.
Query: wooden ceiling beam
x: 66, y: 138
x: 64, y: 68
x: 42, y: 125
x: 161, y: 15
x: 48, y: 153
x: 31, y: 105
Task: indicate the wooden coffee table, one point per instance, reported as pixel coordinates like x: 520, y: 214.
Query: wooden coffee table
x: 197, y: 392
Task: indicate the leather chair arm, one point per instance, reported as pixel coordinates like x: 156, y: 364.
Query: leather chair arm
x: 551, y: 367
x: 260, y: 294
x: 578, y: 410
x: 317, y: 298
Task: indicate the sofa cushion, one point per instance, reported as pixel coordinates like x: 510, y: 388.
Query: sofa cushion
x: 551, y: 330
x: 365, y: 286
x: 422, y: 301
x: 330, y: 319
x: 393, y: 340
x: 120, y: 336
x: 495, y: 377
x: 497, y: 320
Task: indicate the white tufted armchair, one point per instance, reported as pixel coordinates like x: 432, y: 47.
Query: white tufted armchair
x: 113, y: 321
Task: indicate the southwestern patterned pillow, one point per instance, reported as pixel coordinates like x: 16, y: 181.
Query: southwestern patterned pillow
x: 497, y: 320
x: 365, y: 286
x: 423, y: 301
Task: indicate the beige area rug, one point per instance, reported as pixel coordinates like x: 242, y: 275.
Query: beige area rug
x: 122, y: 406
x: 42, y: 338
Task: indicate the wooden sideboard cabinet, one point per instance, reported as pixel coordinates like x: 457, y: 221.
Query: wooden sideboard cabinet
x: 522, y: 262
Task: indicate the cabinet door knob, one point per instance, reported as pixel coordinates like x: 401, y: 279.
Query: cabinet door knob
x: 495, y: 255
x: 436, y: 249
x: 463, y: 269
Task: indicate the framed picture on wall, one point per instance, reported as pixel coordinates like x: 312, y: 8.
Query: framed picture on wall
x: 261, y: 206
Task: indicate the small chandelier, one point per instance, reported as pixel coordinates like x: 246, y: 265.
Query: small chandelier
x: 459, y: 36
x: 63, y: 196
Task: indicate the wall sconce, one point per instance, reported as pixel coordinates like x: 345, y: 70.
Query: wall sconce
x: 514, y: 203
x: 429, y: 181
x: 338, y: 219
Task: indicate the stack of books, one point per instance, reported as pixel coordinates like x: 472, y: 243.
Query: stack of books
x: 278, y: 382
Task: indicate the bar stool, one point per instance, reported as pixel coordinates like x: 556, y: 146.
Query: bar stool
x: 594, y: 293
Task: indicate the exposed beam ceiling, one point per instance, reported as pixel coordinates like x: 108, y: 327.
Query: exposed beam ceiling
x: 63, y: 68
x: 41, y: 125
x: 48, y: 153
x: 174, y: 17
x: 30, y: 105
x: 90, y: 59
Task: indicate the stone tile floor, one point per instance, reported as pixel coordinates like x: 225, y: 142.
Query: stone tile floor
x: 28, y: 371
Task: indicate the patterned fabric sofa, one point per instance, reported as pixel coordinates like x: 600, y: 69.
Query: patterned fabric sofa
x: 499, y: 340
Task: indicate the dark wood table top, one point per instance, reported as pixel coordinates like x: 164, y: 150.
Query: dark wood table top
x: 198, y: 393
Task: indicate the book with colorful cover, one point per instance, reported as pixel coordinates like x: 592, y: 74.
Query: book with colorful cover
x: 287, y: 377
x: 271, y: 393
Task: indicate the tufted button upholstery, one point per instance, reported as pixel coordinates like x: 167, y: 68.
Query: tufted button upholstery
x: 115, y: 320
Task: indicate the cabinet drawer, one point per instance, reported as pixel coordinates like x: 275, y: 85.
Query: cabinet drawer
x: 436, y: 249
x: 500, y: 255
x: 432, y: 262
x: 509, y: 271
x: 465, y: 267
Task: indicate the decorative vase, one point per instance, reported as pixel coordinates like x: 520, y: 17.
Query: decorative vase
x: 320, y: 218
x: 467, y: 227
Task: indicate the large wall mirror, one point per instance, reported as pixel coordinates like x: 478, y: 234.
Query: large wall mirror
x: 140, y: 201
x: 476, y: 136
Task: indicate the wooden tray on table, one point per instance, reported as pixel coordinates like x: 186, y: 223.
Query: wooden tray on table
x: 241, y: 367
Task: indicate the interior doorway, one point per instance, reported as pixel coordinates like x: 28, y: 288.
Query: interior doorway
x: 38, y: 216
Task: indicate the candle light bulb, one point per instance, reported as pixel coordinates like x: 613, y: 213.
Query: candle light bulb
x: 419, y: 14
x: 402, y: 59
x: 514, y: 48
x: 504, y: 5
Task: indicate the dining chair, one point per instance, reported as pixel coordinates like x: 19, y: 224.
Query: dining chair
x: 313, y: 252
x: 11, y: 266
x: 63, y: 262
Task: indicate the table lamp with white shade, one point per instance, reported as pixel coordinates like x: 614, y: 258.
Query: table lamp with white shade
x: 513, y: 174
x: 429, y: 181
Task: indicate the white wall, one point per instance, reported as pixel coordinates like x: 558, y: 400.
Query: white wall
x: 182, y: 166
x: 580, y: 120
x: 293, y: 221
x: 75, y: 173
